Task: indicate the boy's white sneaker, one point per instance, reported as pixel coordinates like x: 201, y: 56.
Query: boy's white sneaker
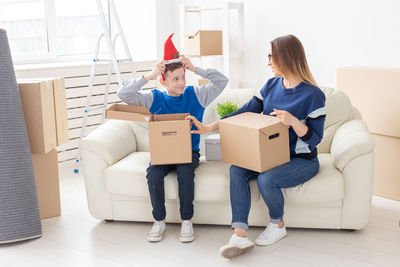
x: 236, y: 247
x: 156, y: 232
x: 187, y: 232
x: 271, y: 235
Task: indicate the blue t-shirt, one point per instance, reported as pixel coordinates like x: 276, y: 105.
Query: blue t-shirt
x: 185, y: 103
x: 306, y: 102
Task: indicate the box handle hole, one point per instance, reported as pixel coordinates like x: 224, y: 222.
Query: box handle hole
x: 273, y: 136
x: 169, y: 133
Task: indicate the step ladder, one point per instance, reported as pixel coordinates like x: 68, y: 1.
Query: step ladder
x: 112, y: 62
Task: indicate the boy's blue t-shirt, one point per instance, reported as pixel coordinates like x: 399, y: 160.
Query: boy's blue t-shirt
x: 185, y: 103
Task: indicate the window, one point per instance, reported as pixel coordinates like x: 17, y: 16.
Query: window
x: 60, y: 30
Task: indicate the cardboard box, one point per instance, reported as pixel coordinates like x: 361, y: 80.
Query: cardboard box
x: 254, y: 141
x: 169, y: 134
x: 60, y: 106
x: 213, y: 147
x: 387, y: 167
x: 375, y: 92
x: 203, y: 82
x: 45, y: 167
x: 203, y: 43
x: 38, y: 105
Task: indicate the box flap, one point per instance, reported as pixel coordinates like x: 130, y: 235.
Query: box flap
x: 169, y: 117
x: 128, y: 112
x: 252, y: 120
x: 190, y: 33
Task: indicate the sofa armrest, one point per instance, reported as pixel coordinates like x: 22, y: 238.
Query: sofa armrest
x: 112, y: 141
x: 352, y: 139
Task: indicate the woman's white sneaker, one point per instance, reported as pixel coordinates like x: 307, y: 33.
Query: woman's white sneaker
x: 271, y: 235
x: 187, y: 232
x: 156, y: 232
x: 236, y: 247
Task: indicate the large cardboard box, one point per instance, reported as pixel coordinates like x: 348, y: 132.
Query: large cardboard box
x: 37, y: 100
x: 387, y: 166
x: 45, y: 167
x: 376, y: 93
x: 254, y: 141
x: 169, y: 134
x: 203, y: 43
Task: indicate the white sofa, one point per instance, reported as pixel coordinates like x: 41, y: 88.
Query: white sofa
x: 115, y: 157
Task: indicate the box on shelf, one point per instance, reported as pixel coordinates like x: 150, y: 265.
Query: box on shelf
x: 213, y: 148
x: 45, y: 167
x: 254, y: 141
x: 169, y: 134
x: 203, y: 43
x: 37, y: 100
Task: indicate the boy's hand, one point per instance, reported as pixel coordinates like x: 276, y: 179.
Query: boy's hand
x: 187, y: 64
x: 157, y: 70
x: 201, y: 128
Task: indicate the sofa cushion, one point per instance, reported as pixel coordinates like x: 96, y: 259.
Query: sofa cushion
x: 326, y: 186
x: 128, y: 177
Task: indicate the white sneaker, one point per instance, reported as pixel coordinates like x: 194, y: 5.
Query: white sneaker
x: 187, y: 233
x: 156, y: 231
x: 236, y: 247
x: 271, y: 235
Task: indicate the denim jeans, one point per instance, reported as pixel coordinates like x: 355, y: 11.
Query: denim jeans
x: 155, y: 181
x: 270, y: 182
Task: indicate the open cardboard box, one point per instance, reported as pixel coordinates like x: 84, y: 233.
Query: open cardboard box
x: 254, y: 141
x: 169, y: 134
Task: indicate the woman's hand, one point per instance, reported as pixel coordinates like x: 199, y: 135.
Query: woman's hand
x: 288, y: 119
x: 157, y: 70
x: 201, y: 128
x: 187, y: 64
x: 284, y: 117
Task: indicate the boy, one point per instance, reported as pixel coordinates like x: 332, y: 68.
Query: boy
x: 178, y: 98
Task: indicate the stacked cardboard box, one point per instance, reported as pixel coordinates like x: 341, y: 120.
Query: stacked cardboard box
x: 44, y: 106
x: 375, y: 92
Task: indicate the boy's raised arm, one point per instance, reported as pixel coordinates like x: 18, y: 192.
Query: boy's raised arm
x: 130, y: 94
x: 208, y: 92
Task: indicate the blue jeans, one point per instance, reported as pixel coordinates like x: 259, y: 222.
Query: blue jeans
x: 155, y: 181
x: 290, y: 174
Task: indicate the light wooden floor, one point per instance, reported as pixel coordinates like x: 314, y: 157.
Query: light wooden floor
x: 77, y: 239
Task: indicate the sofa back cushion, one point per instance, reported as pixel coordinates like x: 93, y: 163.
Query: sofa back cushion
x: 338, y: 111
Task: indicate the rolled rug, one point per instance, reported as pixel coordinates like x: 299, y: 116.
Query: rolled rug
x: 19, y: 209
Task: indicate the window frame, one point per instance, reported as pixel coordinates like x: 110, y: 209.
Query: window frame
x: 52, y: 56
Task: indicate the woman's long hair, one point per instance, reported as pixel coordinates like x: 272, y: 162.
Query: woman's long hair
x: 289, y: 56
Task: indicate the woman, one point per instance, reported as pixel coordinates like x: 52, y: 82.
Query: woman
x: 294, y: 97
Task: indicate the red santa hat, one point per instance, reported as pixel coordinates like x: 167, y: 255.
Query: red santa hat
x: 171, y: 55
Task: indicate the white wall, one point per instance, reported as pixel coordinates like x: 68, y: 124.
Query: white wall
x: 334, y: 33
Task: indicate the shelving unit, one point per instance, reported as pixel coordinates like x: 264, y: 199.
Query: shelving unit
x: 225, y: 8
